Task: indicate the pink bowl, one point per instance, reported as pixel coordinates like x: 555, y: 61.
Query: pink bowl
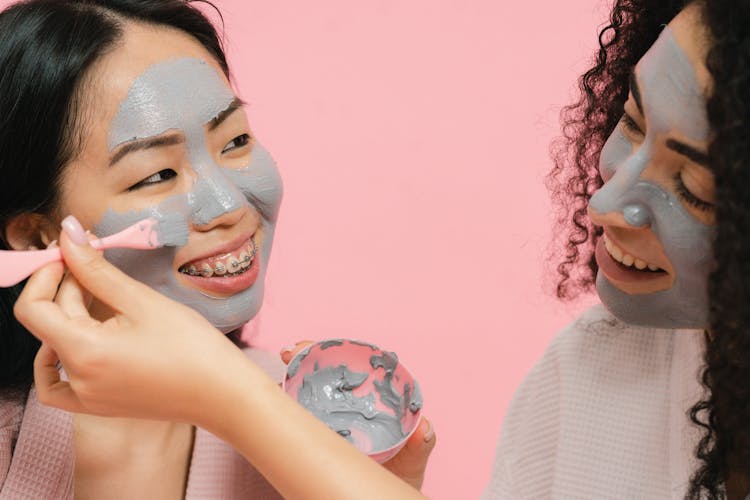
x: 359, y: 391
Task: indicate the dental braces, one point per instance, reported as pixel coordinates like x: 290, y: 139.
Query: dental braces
x: 220, y: 270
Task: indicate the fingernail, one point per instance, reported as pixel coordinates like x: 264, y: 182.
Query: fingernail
x: 52, y: 244
x: 429, y: 433
x: 287, y: 349
x: 74, y: 230
x: 32, y: 247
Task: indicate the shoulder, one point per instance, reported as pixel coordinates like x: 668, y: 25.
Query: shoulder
x: 269, y: 362
x: 597, y: 342
x: 594, y: 345
x: 11, y: 412
x: 11, y: 415
x: 595, y: 356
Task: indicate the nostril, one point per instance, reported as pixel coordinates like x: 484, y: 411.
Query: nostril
x: 636, y: 215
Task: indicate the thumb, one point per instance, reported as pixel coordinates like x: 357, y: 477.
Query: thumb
x: 95, y: 274
x: 411, y: 461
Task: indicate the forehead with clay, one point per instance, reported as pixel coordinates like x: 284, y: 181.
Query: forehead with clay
x: 668, y: 90
x: 182, y: 94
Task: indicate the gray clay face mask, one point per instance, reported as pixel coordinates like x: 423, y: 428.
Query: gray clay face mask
x: 672, y: 101
x: 185, y: 94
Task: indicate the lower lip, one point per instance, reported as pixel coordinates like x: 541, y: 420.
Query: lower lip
x: 224, y: 286
x: 618, y: 272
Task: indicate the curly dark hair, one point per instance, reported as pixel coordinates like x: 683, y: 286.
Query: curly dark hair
x: 724, y: 450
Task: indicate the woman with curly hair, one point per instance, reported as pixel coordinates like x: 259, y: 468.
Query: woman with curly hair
x: 651, y: 177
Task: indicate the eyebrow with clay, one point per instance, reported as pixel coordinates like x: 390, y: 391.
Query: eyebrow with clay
x: 678, y: 147
x: 173, y: 138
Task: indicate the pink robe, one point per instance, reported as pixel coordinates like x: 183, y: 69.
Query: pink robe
x: 37, y: 458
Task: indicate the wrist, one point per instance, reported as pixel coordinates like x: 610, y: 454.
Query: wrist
x: 238, y: 395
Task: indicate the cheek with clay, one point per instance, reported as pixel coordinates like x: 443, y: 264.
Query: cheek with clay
x: 615, y: 151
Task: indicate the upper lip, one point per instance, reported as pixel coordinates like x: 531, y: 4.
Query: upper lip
x: 224, y: 248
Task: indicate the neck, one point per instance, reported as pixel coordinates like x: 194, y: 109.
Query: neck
x: 131, y: 436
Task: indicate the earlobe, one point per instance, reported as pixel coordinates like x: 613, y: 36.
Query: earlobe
x: 29, y: 230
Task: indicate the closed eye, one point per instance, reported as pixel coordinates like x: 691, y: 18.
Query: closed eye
x: 158, y: 177
x: 689, y: 197
x: 629, y: 123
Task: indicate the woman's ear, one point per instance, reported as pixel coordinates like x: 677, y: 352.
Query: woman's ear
x: 30, y: 230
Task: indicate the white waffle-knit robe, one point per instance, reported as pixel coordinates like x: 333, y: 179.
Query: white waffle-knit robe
x: 603, y: 415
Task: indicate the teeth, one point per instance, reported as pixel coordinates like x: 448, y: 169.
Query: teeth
x: 613, y: 250
x: 245, y: 260
x: 230, y: 265
x: 626, y: 259
x: 234, y: 265
x: 206, y: 271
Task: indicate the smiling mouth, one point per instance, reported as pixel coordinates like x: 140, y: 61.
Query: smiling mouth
x: 628, y: 261
x: 630, y: 274
x: 225, y: 265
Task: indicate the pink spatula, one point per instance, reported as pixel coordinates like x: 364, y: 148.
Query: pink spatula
x: 172, y: 230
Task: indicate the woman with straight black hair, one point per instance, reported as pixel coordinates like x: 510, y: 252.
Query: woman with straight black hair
x: 111, y: 112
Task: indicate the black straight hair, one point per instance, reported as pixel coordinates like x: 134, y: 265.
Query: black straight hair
x: 46, y: 48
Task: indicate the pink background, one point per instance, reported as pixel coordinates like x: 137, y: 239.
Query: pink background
x: 412, y: 136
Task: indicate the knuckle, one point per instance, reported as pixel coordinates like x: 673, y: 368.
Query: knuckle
x: 43, y: 395
x: 96, y: 263
x: 20, y: 310
x: 88, y: 358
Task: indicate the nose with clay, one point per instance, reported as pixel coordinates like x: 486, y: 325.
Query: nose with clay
x: 625, y: 196
x: 213, y: 194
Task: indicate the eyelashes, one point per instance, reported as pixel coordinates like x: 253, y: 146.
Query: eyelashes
x: 238, y: 142
x: 160, y: 176
x: 235, y: 145
x: 689, y: 197
x: 629, y: 123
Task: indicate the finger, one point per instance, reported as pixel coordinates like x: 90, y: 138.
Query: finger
x: 411, y: 461
x: 102, y: 279
x: 72, y: 298
x: 51, y: 390
x: 43, y: 283
x: 290, y: 351
x: 35, y: 307
x: 39, y: 293
x: 86, y: 295
x: 47, y: 322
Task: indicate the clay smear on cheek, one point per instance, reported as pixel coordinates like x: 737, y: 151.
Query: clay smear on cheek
x: 614, y: 151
